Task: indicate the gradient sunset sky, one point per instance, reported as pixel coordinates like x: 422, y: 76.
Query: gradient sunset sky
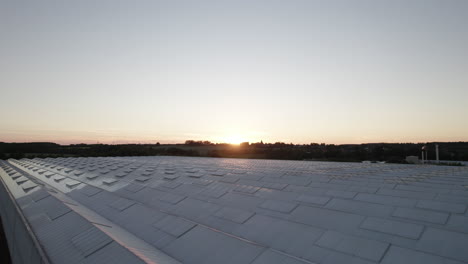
x: 307, y: 71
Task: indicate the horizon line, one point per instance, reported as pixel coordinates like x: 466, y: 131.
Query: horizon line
x: 226, y: 143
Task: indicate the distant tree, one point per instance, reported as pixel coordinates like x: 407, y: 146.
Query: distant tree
x: 280, y: 144
x: 198, y: 143
x: 189, y: 142
x: 244, y: 144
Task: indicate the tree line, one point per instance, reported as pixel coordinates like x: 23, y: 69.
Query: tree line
x: 389, y: 152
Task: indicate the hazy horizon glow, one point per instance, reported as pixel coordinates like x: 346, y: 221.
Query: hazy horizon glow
x: 298, y: 71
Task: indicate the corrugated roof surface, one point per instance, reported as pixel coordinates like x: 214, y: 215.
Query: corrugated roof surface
x: 206, y: 210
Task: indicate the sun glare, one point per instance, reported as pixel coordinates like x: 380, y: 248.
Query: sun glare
x: 234, y: 139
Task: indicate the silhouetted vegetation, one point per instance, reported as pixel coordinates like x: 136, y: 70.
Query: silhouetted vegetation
x: 389, y: 152
x: 198, y: 143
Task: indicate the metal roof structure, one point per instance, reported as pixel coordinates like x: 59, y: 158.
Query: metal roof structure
x: 211, y: 210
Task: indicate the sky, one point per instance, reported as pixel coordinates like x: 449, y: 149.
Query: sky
x: 300, y: 71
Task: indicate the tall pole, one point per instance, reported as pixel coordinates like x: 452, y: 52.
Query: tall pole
x: 424, y: 154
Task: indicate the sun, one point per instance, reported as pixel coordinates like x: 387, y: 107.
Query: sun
x: 234, y: 139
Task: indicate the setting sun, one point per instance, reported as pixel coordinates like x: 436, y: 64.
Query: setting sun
x: 234, y: 139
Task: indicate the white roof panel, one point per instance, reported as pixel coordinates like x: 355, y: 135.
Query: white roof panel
x: 210, y: 210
